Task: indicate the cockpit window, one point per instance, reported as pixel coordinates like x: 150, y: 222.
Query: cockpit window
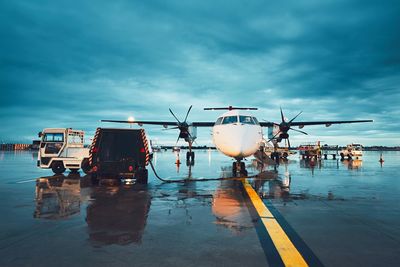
x: 255, y: 120
x: 230, y: 119
x: 219, y: 121
x: 246, y: 120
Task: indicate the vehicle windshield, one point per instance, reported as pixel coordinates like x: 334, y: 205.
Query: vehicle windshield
x: 53, y: 137
x: 246, y: 120
x: 230, y: 119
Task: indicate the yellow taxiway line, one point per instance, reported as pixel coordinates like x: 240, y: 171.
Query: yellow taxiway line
x: 287, y: 251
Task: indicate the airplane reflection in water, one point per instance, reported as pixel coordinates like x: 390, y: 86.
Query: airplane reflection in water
x: 229, y: 208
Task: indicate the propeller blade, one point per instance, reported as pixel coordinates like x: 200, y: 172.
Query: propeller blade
x: 177, y: 140
x: 274, y: 136
x: 187, y: 114
x: 174, y: 116
x: 282, y: 117
x: 295, y: 117
x: 298, y: 131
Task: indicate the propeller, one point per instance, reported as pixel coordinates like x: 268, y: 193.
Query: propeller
x: 183, y: 126
x: 284, y: 127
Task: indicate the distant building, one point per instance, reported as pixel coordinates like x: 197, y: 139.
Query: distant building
x: 10, y: 147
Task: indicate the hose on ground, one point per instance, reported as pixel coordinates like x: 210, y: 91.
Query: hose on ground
x: 196, y: 180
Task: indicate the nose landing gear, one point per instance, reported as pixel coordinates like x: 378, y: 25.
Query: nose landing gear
x: 240, y: 167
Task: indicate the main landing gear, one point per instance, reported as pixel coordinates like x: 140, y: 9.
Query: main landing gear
x: 239, y: 167
x: 190, y: 155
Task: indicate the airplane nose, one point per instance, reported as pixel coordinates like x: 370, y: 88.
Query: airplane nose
x: 237, y: 149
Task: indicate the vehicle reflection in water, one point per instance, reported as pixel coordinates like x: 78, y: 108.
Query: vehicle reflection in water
x: 117, y: 215
x: 352, y: 164
x: 59, y: 196
x: 310, y: 164
x: 114, y: 215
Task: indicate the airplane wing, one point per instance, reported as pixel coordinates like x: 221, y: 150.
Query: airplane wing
x: 168, y: 123
x: 301, y: 124
x: 165, y: 123
x: 327, y: 123
x: 203, y: 124
x: 267, y: 124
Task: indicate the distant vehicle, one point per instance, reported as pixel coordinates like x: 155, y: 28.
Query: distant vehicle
x: 120, y: 153
x: 176, y: 149
x: 154, y: 146
x: 352, y: 151
x: 310, y: 150
x: 62, y: 148
x: 280, y: 152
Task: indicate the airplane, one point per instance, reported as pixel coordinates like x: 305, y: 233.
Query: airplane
x: 236, y: 133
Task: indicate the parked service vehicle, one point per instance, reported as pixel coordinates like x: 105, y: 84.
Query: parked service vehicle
x: 352, y: 151
x: 62, y: 148
x: 120, y: 153
x: 310, y: 150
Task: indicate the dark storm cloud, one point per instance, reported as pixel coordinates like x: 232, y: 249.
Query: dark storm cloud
x: 73, y: 63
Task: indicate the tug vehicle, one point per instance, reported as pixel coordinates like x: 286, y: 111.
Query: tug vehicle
x: 120, y: 154
x: 310, y: 150
x: 352, y: 151
x: 62, y: 148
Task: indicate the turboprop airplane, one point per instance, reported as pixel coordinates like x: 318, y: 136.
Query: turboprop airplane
x: 236, y: 133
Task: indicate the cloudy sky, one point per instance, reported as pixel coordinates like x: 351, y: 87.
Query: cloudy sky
x: 72, y: 63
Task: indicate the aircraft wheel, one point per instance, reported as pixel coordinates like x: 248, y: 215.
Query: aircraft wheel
x: 234, y: 168
x: 188, y: 156
x: 57, y: 167
x: 242, y: 166
x: 192, y: 155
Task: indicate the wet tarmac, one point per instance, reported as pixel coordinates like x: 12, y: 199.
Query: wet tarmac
x: 335, y: 213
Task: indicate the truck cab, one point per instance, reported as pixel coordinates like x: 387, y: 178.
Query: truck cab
x: 62, y: 148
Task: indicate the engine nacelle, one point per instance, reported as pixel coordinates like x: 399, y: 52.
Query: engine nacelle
x: 272, y: 131
x: 284, y: 136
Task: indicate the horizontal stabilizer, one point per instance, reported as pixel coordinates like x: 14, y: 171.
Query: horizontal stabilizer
x: 230, y: 108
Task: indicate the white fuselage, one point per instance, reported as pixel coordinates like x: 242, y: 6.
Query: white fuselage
x: 237, y: 134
